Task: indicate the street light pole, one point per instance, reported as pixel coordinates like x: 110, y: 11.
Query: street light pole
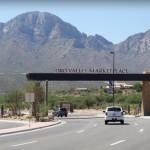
x: 46, y: 94
x: 113, y: 53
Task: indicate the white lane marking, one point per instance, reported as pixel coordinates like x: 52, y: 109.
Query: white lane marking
x: 141, y: 130
x: 136, y: 124
x: 118, y: 142
x: 24, y: 143
x: 95, y: 125
x: 80, y: 131
x: 35, y: 130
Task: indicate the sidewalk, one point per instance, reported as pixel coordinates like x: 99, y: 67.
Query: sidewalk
x: 29, y: 126
x: 145, y: 117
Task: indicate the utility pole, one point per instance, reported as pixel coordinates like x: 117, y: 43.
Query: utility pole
x: 46, y: 93
x: 113, y: 53
x: 46, y: 97
x: 16, y: 103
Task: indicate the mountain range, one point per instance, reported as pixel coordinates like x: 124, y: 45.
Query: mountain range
x: 42, y: 42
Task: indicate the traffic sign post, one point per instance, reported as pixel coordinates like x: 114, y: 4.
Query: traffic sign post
x: 30, y: 97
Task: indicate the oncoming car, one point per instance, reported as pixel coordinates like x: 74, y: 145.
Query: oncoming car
x: 114, y: 114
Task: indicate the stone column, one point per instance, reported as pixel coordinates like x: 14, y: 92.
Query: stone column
x: 146, y: 98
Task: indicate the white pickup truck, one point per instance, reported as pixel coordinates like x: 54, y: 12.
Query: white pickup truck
x: 114, y: 114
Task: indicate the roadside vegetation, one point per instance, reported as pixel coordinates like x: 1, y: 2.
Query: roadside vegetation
x: 129, y: 99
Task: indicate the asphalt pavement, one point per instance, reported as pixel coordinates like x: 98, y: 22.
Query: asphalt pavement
x: 6, y: 124
x: 83, y: 134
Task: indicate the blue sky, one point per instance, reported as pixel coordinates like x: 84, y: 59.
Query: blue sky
x: 114, y: 21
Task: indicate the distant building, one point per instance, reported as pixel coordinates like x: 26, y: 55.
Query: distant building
x: 81, y: 89
x: 77, y: 91
x: 119, y: 85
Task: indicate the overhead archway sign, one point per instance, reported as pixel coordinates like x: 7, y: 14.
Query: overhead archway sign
x: 145, y: 77
x: 86, y: 77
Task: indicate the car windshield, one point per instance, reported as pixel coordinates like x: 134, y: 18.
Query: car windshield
x: 114, y: 109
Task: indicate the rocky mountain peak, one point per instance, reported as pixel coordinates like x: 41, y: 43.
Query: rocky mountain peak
x: 1, y: 25
x: 32, y: 23
x: 40, y: 25
x: 98, y: 42
x: 138, y: 43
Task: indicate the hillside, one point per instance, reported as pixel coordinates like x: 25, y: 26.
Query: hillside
x: 43, y: 42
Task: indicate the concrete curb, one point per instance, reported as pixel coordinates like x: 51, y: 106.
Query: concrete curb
x: 30, y: 128
x: 144, y: 117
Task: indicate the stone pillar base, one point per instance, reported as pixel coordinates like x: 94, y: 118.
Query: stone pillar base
x: 146, y: 98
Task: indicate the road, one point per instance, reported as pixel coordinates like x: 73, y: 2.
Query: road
x: 83, y: 134
x: 4, y: 125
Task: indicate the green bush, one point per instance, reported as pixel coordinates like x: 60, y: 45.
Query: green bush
x: 43, y: 110
x: 138, y: 87
x: 53, y: 101
x: 15, y: 101
x: 90, y: 101
x: 2, y: 99
x: 134, y: 99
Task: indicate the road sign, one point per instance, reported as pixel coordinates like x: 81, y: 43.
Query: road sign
x: 29, y: 97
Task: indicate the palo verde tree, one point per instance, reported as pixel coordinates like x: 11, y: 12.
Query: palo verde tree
x: 15, y: 102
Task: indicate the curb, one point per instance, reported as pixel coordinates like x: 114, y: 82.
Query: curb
x: 144, y: 117
x: 31, y: 129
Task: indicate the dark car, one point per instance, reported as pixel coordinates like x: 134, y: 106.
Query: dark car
x: 60, y: 112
